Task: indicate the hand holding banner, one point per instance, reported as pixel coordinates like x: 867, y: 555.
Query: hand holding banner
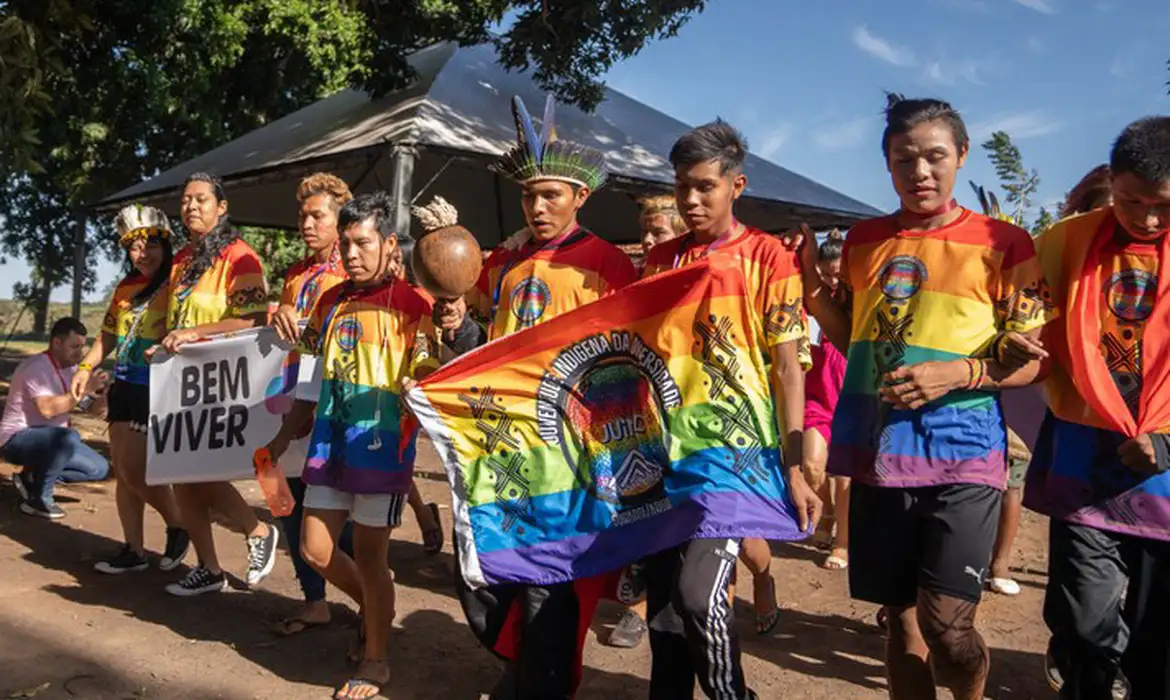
x: 212, y: 405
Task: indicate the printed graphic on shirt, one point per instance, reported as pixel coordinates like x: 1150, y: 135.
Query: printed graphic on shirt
x: 136, y: 327
x: 369, y: 340
x: 306, y: 281
x: 937, y: 296
x: 233, y: 287
x: 770, y: 270
x: 524, y: 288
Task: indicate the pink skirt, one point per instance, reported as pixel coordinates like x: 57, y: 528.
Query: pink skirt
x: 822, y: 387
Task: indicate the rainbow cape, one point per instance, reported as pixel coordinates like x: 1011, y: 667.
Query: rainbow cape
x: 628, y: 426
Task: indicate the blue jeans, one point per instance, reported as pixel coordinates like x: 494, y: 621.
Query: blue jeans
x: 312, y: 585
x: 53, y: 454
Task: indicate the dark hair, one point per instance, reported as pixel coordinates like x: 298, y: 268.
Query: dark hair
x: 1092, y: 192
x: 64, y: 326
x: 832, y: 248
x: 211, y: 246
x: 376, y: 205
x: 1143, y: 150
x: 904, y: 114
x: 160, y: 276
x: 717, y: 140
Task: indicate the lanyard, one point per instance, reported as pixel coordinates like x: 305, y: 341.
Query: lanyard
x: 302, y: 294
x: 57, y: 369
x: 719, y: 242
x: 519, y: 257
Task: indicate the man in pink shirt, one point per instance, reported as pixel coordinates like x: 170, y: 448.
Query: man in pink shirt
x: 35, y: 432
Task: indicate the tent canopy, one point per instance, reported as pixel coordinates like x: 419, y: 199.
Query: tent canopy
x: 438, y: 136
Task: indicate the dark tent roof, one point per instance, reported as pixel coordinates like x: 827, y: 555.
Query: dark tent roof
x: 458, y: 115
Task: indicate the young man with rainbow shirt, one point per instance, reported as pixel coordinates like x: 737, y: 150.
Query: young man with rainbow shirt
x: 930, y: 293
x: 1099, y: 470
x: 371, y: 334
x: 553, y: 266
x: 691, y: 617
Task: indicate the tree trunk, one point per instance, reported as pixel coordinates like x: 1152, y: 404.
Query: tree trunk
x: 40, y: 307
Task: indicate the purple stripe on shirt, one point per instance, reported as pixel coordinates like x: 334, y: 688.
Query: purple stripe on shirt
x: 902, y: 471
x: 350, y: 480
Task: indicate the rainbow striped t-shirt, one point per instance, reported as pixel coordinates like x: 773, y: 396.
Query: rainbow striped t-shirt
x: 771, y: 273
x: 233, y: 287
x: 308, y: 279
x: 1076, y: 474
x: 130, y: 365
x: 930, y: 296
x: 369, y: 339
x: 520, y: 289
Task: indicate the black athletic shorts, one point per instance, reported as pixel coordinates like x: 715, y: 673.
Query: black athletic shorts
x: 937, y: 538
x: 129, y: 403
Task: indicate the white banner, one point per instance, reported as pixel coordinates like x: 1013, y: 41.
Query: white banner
x: 215, y: 403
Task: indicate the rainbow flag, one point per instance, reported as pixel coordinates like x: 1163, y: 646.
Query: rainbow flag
x: 628, y: 426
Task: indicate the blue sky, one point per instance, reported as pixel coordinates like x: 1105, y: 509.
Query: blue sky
x: 804, y: 81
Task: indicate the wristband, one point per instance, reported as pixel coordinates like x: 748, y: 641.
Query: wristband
x: 976, y: 373
x: 84, y: 367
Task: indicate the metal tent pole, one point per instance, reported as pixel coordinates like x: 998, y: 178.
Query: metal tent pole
x: 79, y: 259
x: 404, y: 155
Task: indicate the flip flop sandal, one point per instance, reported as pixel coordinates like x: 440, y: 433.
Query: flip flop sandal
x: 292, y: 626
x: 835, y: 563
x: 1003, y: 586
x: 433, y: 538
x: 347, y: 689
x: 766, y: 623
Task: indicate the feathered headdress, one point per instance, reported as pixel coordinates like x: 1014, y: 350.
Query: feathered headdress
x: 139, y: 221
x: 990, y: 204
x: 543, y: 157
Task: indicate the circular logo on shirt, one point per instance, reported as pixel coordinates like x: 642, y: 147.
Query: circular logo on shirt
x: 902, y: 277
x: 1130, y: 295
x: 528, y: 301
x: 349, y: 331
x: 604, y: 401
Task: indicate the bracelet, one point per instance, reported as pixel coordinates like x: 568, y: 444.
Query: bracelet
x: 976, y: 373
x: 84, y: 367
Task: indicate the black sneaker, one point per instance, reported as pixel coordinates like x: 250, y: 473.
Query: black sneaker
x: 261, y: 555
x: 629, y: 632
x: 177, y: 544
x: 42, y: 510
x: 123, y: 562
x: 197, y: 582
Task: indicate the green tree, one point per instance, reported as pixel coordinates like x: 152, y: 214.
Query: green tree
x: 278, y: 249
x: 1018, y: 183
x: 96, y: 95
x: 1043, y: 220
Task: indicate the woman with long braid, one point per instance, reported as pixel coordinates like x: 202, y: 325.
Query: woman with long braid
x: 217, y: 286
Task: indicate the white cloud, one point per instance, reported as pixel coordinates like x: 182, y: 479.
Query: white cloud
x: 773, y: 141
x: 844, y: 135
x: 880, y: 48
x: 1037, y: 46
x: 1045, y: 6
x: 949, y: 73
x: 1018, y: 125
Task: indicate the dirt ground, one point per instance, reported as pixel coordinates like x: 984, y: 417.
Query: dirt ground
x: 69, y: 632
